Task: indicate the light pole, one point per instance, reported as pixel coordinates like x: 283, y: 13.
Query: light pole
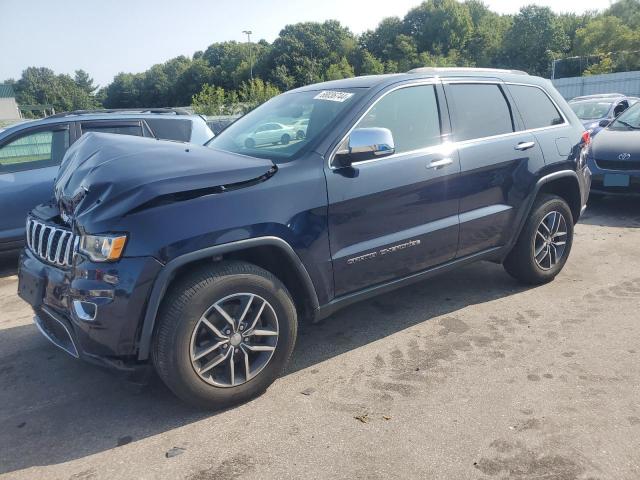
x: 248, y: 34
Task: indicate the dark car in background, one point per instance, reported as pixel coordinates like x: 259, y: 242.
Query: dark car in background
x: 614, y: 156
x: 597, y: 111
x: 30, y: 153
x: 200, y: 261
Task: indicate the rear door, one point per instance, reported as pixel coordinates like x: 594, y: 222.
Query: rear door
x: 496, y: 160
x: 397, y: 215
x: 29, y: 162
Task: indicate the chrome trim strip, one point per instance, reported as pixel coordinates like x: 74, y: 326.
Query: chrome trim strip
x: 53, y: 316
x: 63, y: 254
x: 418, y: 83
x: 453, y: 145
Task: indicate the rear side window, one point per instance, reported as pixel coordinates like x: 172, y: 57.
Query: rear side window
x: 411, y: 114
x: 166, y: 129
x: 479, y: 110
x: 135, y: 130
x: 535, y: 107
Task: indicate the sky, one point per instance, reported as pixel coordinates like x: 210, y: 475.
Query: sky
x: 105, y: 37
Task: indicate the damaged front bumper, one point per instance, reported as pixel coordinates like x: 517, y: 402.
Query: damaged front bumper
x: 92, y: 311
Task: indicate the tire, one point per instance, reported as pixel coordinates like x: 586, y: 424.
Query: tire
x: 522, y: 262
x: 299, y: 135
x: 285, y: 139
x: 249, y: 143
x: 180, y: 325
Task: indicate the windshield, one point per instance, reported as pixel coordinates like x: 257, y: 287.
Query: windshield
x: 280, y: 128
x: 628, y: 120
x: 591, y: 109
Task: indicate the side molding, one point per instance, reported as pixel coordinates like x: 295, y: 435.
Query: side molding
x: 167, y: 273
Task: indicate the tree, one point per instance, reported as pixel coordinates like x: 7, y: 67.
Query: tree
x: 438, y: 26
x: 606, y: 34
x: 626, y: 10
x: 484, y: 46
x: 41, y: 86
x: 367, y: 64
x: 307, y: 49
x: 209, y: 101
x: 84, y: 81
x: 256, y: 92
x: 339, y: 70
x: 533, y: 39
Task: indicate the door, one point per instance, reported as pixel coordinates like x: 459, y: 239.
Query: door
x: 396, y: 215
x: 496, y: 161
x: 29, y: 162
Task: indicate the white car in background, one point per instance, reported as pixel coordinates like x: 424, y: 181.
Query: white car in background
x: 270, y: 134
x: 300, y: 127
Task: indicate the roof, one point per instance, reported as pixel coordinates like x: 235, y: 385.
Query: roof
x: 97, y: 116
x: 6, y: 91
x: 369, y: 81
x: 597, y: 96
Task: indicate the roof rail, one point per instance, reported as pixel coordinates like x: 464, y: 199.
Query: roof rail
x: 167, y: 110
x: 440, y: 70
x: 599, y: 95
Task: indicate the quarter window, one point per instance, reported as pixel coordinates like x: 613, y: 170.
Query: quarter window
x: 44, y: 148
x: 411, y: 114
x: 535, y: 107
x: 479, y: 110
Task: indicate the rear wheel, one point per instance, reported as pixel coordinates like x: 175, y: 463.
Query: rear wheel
x: 544, y: 243
x: 285, y: 139
x: 249, y: 143
x: 225, y: 333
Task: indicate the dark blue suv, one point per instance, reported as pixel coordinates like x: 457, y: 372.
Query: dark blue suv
x: 201, y: 260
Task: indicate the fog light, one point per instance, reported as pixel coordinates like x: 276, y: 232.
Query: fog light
x: 85, y: 310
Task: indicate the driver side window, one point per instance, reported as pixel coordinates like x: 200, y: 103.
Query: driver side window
x: 412, y: 116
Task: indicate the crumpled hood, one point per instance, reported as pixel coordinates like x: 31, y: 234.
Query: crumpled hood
x: 106, y: 175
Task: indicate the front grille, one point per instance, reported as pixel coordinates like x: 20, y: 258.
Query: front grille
x: 618, y: 164
x: 52, y: 244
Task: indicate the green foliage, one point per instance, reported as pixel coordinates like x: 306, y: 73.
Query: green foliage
x: 41, y: 86
x: 534, y: 37
x: 255, y: 92
x: 210, y: 100
x: 434, y: 33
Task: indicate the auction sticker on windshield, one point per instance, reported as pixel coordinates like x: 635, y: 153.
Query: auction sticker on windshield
x: 333, y: 96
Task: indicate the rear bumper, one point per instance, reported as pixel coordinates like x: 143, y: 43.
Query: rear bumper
x: 91, y: 311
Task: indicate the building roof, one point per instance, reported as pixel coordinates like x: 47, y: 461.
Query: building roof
x: 6, y: 91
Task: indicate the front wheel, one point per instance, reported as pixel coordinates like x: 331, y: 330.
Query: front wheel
x: 225, y: 333
x: 544, y: 243
x: 285, y: 139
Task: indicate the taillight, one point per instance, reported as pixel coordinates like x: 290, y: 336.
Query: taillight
x: 586, y: 139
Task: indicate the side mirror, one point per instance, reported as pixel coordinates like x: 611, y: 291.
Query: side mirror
x: 604, y: 122
x: 364, y: 144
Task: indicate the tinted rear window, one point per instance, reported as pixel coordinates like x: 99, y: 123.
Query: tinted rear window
x: 535, y: 107
x: 170, y: 129
x: 479, y: 110
x: 134, y: 130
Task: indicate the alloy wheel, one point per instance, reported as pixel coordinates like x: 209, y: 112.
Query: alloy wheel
x: 550, y: 242
x: 234, y: 339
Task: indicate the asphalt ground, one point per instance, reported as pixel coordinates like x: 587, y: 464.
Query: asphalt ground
x: 465, y: 376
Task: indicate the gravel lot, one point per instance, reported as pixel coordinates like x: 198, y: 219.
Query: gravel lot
x: 465, y: 376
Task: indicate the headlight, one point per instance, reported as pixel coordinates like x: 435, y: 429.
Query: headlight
x: 103, y: 248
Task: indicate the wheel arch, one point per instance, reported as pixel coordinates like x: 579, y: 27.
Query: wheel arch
x: 563, y: 183
x: 271, y: 253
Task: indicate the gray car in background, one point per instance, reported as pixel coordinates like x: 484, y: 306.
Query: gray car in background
x: 30, y: 153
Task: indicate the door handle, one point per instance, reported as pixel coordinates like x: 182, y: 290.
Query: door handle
x: 525, y: 145
x: 440, y: 163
